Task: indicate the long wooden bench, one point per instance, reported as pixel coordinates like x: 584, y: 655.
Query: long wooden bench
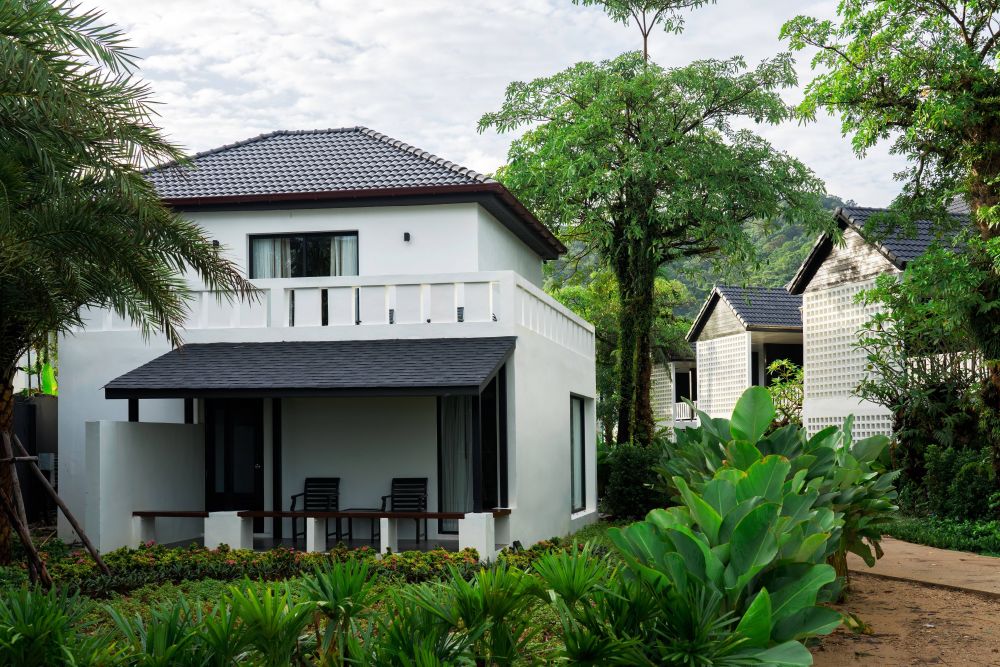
x: 179, y: 514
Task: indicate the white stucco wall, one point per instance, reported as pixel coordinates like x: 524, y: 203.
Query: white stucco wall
x: 500, y: 250
x: 364, y: 441
x: 142, y: 466
x: 544, y: 376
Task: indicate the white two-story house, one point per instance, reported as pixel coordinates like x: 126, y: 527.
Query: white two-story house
x: 401, y: 332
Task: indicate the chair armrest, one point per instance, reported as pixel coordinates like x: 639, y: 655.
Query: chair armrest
x: 294, y: 497
x: 384, y: 498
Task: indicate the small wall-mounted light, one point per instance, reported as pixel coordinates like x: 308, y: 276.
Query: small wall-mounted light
x: 406, y: 236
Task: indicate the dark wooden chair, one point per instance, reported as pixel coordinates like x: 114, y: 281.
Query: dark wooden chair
x: 319, y: 494
x: 409, y: 494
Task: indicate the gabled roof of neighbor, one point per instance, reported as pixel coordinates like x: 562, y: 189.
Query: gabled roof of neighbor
x: 898, y: 248
x: 757, y: 308
x: 349, y: 166
x: 394, y: 367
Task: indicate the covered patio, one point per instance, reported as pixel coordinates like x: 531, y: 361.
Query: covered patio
x: 262, y: 418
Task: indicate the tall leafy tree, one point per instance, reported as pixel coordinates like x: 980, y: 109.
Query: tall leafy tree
x: 79, y: 225
x: 646, y: 165
x: 923, y: 75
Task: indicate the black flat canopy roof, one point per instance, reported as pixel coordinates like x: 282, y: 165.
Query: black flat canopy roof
x: 396, y: 367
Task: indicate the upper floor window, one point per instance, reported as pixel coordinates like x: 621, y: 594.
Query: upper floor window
x: 304, y: 255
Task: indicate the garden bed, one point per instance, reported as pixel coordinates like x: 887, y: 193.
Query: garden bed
x: 982, y: 537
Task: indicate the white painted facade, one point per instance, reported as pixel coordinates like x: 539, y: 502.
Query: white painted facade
x: 669, y: 412
x: 458, y: 255
x: 834, y: 367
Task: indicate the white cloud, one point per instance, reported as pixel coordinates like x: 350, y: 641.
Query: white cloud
x: 424, y: 72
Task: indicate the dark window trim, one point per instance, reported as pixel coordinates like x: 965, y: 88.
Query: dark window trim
x: 276, y: 499
x: 583, y: 455
x: 295, y: 235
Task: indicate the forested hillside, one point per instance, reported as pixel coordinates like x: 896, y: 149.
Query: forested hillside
x: 783, y: 252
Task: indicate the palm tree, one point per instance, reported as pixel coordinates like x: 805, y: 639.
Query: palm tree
x: 79, y: 224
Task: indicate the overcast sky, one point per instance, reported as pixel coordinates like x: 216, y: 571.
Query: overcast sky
x: 425, y: 71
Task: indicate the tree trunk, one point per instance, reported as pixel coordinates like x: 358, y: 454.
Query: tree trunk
x: 636, y: 291
x: 6, y: 478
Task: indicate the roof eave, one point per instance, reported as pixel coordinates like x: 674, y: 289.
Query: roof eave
x: 548, y: 247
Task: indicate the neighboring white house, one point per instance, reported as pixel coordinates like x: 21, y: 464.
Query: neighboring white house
x: 674, y: 382
x: 401, y: 332
x: 737, y: 333
x: 828, y: 281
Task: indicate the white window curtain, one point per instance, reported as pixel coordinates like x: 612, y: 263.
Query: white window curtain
x: 456, y: 457
x: 272, y: 258
x: 344, y: 256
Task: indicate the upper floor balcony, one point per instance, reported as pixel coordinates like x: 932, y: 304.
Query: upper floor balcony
x: 397, y: 306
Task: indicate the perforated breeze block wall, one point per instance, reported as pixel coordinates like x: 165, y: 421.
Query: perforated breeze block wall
x: 661, y: 394
x: 833, y: 367
x: 723, y: 373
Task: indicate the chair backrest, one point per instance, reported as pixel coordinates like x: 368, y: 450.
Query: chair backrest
x: 321, y: 493
x: 409, y: 494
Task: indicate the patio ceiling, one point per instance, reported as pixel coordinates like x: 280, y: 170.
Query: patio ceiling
x: 397, y: 367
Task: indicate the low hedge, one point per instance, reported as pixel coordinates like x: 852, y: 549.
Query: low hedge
x: 153, y: 564
x: 975, y: 536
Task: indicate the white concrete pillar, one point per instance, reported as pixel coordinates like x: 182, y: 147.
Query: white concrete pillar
x: 478, y: 531
x: 143, y: 530
x: 316, y: 535
x: 388, y: 536
x: 230, y: 529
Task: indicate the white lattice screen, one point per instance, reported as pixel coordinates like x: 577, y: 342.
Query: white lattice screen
x: 723, y: 373
x: 831, y: 320
x: 864, y: 425
x: 661, y: 395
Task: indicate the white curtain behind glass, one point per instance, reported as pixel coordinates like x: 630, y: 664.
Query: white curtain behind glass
x: 272, y: 258
x: 456, y: 457
x: 344, y: 256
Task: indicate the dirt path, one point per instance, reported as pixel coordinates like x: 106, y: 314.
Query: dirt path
x: 914, y: 624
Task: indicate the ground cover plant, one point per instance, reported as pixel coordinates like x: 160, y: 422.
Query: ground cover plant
x: 981, y: 537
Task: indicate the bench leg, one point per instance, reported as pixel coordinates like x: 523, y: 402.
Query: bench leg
x: 388, y: 538
x: 229, y: 529
x: 143, y: 530
x: 316, y: 535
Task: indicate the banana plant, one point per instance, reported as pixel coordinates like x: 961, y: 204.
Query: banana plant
x: 849, y: 476
x: 755, y: 538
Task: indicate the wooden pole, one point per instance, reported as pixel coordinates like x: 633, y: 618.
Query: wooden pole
x: 35, y: 562
x: 33, y: 466
x: 8, y: 453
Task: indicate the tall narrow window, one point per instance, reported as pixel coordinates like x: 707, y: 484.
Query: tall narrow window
x: 304, y: 255
x: 576, y: 413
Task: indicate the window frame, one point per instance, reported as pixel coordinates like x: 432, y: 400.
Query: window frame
x: 303, y: 236
x: 582, y: 458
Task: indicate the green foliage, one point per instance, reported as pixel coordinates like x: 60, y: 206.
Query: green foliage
x: 787, y: 391
x: 959, y: 483
x: 933, y: 98
x: 961, y: 535
x: 631, y: 490
x: 37, y: 629
x: 272, y: 621
x: 343, y: 593
x: 615, y: 168
x: 848, y: 476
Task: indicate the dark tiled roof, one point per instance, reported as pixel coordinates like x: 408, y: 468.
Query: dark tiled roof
x: 355, y: 367
x: 905, y: 247
x: 350, y: 158
x: 344, y: 164
x: 755, y: 307
x: 764, y: 306
x: 898, y: 247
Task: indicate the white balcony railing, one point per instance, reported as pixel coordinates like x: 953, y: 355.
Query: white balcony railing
x: 503, y: 298
x: 683, y: 412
